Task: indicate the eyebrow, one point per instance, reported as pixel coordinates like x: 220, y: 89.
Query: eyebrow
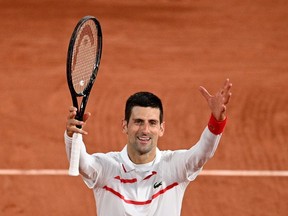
x: 149, y: 120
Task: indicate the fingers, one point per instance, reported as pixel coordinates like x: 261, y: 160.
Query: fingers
x: 73, y: 125
x: 86, y: 117
x: 72, y: 112
x: 226, y: 91
x: 204, y: 93
x: 227, y: 98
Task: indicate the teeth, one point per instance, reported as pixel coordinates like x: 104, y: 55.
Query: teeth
x: 144, y: 138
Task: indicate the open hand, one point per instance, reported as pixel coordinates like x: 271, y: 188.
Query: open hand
x: 218, y: 102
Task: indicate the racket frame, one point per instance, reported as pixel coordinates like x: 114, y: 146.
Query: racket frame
x: 86, y: 92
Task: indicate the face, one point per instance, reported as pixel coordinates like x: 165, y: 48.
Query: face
x: 143, y: 131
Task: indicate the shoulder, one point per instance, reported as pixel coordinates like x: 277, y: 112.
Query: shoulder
x: 108, y: 155
x: 105, y: 164
x: 170, y: 154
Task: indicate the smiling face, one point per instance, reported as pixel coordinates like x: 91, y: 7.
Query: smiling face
x: 143, y: 130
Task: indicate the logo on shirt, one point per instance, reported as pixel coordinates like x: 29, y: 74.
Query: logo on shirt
x: 156, y: 185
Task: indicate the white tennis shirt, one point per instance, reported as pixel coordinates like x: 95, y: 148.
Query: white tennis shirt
x: 122, y: 188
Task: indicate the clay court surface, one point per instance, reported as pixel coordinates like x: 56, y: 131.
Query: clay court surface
x: 169, y: 48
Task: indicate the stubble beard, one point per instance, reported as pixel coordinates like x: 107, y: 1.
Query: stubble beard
x: 143, y: 148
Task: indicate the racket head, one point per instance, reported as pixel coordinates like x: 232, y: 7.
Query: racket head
x: 83, y: 59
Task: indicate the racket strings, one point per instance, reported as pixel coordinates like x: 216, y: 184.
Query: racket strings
x: 84, y: 56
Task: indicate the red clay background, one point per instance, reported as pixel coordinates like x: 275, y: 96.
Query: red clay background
x: 167, y: 47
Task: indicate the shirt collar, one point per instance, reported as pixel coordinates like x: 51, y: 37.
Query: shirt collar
x: 128, y: 164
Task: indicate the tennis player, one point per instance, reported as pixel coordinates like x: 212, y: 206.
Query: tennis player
x: 142, y: 180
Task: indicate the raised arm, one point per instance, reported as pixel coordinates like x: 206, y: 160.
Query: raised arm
x: 205, y: 148
x: 86, y: 160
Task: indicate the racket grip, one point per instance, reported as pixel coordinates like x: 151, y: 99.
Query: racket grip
x: 75, y: 155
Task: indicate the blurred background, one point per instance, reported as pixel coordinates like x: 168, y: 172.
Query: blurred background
x: 169, y: 48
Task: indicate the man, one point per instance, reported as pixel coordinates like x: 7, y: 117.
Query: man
x: 142, y: 180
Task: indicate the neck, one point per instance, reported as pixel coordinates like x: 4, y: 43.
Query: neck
x: 142, y: 158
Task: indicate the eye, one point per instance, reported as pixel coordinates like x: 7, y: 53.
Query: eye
x: 138, y: 121
x: 153, y: 122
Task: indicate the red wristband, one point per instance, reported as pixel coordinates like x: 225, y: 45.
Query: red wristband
x: 216, y: 127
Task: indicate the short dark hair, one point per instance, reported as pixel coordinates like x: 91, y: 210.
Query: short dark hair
x: 143, y: 99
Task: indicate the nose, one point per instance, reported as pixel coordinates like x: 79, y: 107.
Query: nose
x: 145, y: 127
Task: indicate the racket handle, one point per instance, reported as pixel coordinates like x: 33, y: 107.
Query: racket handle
x: 75, y: 155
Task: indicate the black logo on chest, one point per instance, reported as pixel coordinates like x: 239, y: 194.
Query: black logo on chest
x: 156, y: 185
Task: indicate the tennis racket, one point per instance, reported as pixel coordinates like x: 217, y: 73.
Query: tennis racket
x: 83, y: 59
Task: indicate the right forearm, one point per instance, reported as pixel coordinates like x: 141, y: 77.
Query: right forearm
x: 85, y: 159
x: 68, y: 144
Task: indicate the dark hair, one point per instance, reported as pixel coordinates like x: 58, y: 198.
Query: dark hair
x: 143, y: 99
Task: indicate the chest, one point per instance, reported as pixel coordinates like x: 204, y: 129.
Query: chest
x: 138, y: 192
x: 140, y: 187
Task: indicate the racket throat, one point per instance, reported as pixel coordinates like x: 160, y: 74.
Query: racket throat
x: 82, y: 100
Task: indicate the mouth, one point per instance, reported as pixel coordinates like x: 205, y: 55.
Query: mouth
x: 144, y: 139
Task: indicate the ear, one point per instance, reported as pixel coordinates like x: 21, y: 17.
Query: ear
x: 162, y: 129
x: 124, y: 126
